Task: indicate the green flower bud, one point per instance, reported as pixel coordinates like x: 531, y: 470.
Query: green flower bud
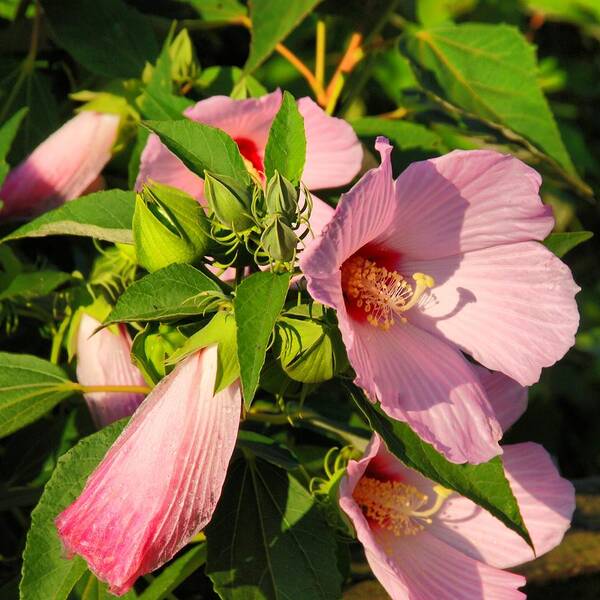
x: 279, y: 241
x: 229, y: 201
x: 169, y: 226
x: 282, y: 198
x: 184, y: 65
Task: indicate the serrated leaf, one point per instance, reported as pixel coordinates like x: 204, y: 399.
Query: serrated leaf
x: 47, y: 575
x: 561, y: 243
x: 267, y: 539
x: 109, y: 37
x: 201, y: 147
x: 173, y: 575
x: 403, y: 134
x: 103, y: 215
x: 29, y: 388
x: 484, y: 484
x: 257, y: 304
x: 272, y: 21
x: 491, y: 71
x: 286, y: 146
x: 173, y: 292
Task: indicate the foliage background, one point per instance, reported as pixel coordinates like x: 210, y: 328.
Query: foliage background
x: 86, y: 45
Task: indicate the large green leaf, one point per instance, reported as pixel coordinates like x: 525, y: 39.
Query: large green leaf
x: 258, y: 302
x: 403, y: 134
x: 173, y: 292
x: 484, y: 484
x: 272, y: 21
x: 268, y: 541
x: 108, y: 37
x: 226, y: 11
x: 31, y: 285
x: 491, y: 72
x: 561, y: 243
x: 47, y: 575
x: 286, y: 147
x: 103, y: 215
x: 8, y: 132
x: 201, y: 147
x: 29, y: 388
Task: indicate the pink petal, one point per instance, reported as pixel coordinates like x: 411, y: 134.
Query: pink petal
x: 362, y: 214
x: 246, y: 119
x: 466, y: 200
x: 62, y: 166
x: 426, y: 383
x: 159, y: 164
x: 160, y: 482
x: 333, y: 152
x: 546, y: 502
x: 104, y: 359
x: 507, y: 397
x: 511, y: 307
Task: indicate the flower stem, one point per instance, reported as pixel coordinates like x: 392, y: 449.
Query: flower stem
x: 320, y: 51
x: 350, y: 59
x: 125, y: 389
x: 297, y: 63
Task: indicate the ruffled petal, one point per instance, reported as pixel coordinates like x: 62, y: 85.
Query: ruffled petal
x: 425, y: 382
x: 467, y: 200
x: 511, y: 307
x: 159, y: 164
x: 333, y: 152
x: 361, y: 215
x: 160, y: 482
x: 546, y: 501
x: 62, y: 166
x: 507, y: 397
x: 104, y: 358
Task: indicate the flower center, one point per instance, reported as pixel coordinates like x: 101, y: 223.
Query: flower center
x: 396, y: 506
x: 249, y: 152
x: 381, y: 294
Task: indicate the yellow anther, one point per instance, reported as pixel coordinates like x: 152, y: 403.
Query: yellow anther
x: 396, y: 506
x: 381, y: 293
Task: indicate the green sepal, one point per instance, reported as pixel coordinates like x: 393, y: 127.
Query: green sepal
x: 229, y: 201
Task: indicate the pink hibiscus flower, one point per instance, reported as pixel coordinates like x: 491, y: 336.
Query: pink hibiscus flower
x: 62, y: 167
x: 159, y: 484
x: 425, y: 543
x: 104, y: 358
x: 445, y: 258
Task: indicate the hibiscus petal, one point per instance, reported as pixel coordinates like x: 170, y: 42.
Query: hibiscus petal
x: 511, y: 307
x: 246, y: 119
x: 467, y: 200
x: 361, y: 215
x: 161, y: 480
x: 428, y: 384
x: 333, y: 152
x: 507, y: 397
x: 546, y: 501
x: 159, y: 164
x: 104, y: 359
x: 62, y: 166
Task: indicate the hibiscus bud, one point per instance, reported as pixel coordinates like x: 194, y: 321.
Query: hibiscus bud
x: 229, y: 201
x: 279, y: 241
x: 168, y: 227
x: 281, y: 198
x: 184, y: 65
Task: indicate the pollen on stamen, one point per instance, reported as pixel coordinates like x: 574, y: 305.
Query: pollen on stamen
x: 391, y: 504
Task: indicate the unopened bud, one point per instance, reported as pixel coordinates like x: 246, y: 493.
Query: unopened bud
x: 279, y: 241
x: 229, y: 201
x: 281, y: 198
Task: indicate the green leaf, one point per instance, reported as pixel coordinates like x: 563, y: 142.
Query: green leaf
x: 491, y: 71
x: 403, y: 134
x: 257, y: 304
x: 268, y: 540
x: 286, y: 147
x: 90, y: 588
x: 107, y: 37
x: 272, y: 21
x: 219, y: 10
x: 220, y: 330
x: 220, y: 81
x: 268, y: 449
x: 31, y: 285
x: 561, y: 243
x: 29, y: 388
x: 103, y: 215
x: 8, y: 132
x: 46, y: 574
x: 160, y: 104
x: 173, y: 575
x: 173, y: 292
x: 484, y: 484
x: 201, y: 147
